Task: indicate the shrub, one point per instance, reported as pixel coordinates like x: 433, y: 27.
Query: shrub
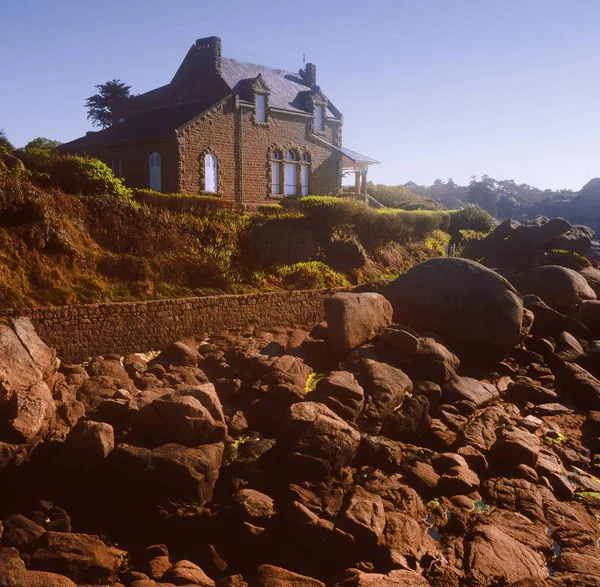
x: 270, y: 209
x: 309, y: 275
x: 567, y: 259
x: 467, y: 236
x: 438, y: 241
x: 470, y: 217
x: 82, y: 175
x: 398, y: 196
x: 190, y: 204
x: 377, y: 228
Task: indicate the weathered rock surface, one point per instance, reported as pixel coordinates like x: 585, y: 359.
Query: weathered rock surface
x: 353, y: 319
x: 558, y: 287
x: 467, y: 304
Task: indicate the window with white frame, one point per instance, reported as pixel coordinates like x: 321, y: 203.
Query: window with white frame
x: 155, y: 180
x: 210, y: 173
x: 275, y: 172
x: 261, y: 108
x: 319, y: 117
x: 304, y: 174
x: 290, y: 174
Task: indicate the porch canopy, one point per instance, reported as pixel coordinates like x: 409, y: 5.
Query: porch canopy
x: 353, y: 162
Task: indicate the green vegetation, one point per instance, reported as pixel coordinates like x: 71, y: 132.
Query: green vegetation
x: 567, y: 259
x: 82, y: 175
x: 100, y: 105
x: 311, y: 382
x: 310, y: 275
x: 399, y: 196
x: 589, y: 494
x: 554, y: 438
x: 71, y: 232
x: 470, y: 217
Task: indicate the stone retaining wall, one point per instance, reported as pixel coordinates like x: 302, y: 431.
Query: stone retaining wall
x: 79, y: 332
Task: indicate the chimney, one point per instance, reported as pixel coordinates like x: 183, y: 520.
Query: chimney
x: 209, y: 52
x: 310, y: 75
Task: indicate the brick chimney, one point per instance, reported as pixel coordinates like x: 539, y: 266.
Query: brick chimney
x: 310, y: 75
x: 209, y: 52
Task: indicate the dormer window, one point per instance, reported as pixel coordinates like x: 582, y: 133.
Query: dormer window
x: 319, y: 118
x: 261, y: 108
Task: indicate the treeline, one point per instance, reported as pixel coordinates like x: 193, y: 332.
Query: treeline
x: 501, y: 198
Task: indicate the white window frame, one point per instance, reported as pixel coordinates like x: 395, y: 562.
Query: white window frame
x: 261, y: 108
x: 275, y: 173
x: 319, y: 118
x: 155, y: 172
x: 211, y: 177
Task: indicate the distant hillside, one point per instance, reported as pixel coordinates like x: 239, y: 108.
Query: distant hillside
x: 583, y: 208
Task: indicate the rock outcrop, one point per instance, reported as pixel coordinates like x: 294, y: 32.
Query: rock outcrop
x: 458, y: 446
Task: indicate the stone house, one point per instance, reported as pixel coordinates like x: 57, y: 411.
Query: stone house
x: 245, y: 132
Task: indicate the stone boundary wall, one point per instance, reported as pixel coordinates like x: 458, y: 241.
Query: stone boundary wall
x: 81, y: 331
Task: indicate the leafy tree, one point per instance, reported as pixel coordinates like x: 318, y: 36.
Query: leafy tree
x: 38, y: 154
x: 100, y: 106
x: 5, y: 144
x: 43, y: 144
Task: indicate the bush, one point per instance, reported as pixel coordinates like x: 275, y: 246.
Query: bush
x: 567, y: 259
x: 309, y: 275
x: 470, y: 217
x: 271, y: 209
x: 468, y: 236
x: 377, y: 228
x: 438, y: 241
x: 189, y: 204
x: 82, y: 175
x: 398, y: 196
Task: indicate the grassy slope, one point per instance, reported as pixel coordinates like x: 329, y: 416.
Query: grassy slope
x: 57, y: 248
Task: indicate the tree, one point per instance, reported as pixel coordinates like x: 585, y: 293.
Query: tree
x: 100, y: 106
x: 5, y: 144
x: 39, y: 153
x: 43, y: 144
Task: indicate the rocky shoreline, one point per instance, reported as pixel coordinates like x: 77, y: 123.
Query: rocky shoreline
x: 443, y: 431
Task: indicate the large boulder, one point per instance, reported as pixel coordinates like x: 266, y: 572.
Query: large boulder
x: 558, y: 287
x: 22, y: 578
x: 385, y: 387
x: 81, y: 556
x: 353, y: 319
x: 474, y: 309
x: 171, y: 471
x: 315, y: 441
x: 271, y: 576
x: 592, y: 276
x: 182, y: 419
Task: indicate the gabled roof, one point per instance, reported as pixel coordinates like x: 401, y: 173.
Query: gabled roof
x: 288, y: 91
x: 159, y: 122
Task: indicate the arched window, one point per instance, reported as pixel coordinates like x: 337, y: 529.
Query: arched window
x: 210, y: 173
x: 275, y: 172
x: 304, y: 173
x: 290, y: 174
x: 155, y: 179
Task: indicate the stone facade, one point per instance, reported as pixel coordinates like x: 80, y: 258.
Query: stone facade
x: 83, y: 331
x: 202, y: 111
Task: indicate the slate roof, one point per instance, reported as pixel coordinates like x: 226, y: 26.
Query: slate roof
x: 288, y: 90
x: 159, y: 122
x: 357, y: 157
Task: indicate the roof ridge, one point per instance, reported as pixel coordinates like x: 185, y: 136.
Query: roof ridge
x: 263, y: 66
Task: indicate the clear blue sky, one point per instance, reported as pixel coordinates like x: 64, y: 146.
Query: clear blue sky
x: 431, y: 88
